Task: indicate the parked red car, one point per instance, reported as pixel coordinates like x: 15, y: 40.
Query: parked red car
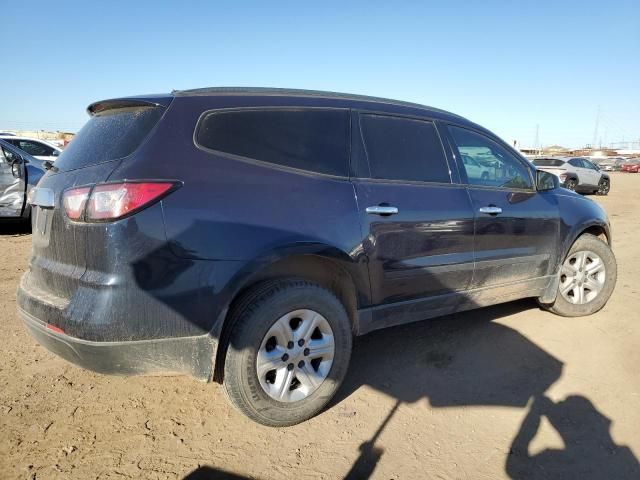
x: 632, y: 166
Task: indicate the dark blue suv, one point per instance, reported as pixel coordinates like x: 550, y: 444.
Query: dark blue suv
x: 246, y: 235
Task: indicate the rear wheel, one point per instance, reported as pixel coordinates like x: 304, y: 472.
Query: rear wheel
x: 571, y: 184
x: 288, y: 352
x: 587, y: 278
x: 603, y: 187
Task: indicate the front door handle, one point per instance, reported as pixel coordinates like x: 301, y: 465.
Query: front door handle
x: 382, y: 210
x: 491, y: 210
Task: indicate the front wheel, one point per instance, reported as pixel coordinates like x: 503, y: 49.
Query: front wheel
x: 288, y: 352
x: 587, y: 278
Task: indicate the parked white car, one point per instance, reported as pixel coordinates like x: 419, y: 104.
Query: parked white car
x: 35, y: 147
x: 576, y: 173
x: 475, y: 170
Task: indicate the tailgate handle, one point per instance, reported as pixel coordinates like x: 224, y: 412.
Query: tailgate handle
x: 41, y: 197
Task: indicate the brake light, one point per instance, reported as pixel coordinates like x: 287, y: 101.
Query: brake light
x: 111, y: 201
x: 74, y: 201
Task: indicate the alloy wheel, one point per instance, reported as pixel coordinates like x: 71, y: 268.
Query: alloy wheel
x: 582, y: 277
x: 295, y: 356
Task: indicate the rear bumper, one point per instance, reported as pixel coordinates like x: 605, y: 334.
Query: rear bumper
x: 181, y: 355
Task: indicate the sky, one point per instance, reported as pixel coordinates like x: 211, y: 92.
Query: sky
x: 516, y: 67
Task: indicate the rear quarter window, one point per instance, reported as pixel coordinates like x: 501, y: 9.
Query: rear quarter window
x: 307, y: 139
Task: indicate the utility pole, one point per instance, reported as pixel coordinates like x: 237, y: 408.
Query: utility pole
x: 536, y: 143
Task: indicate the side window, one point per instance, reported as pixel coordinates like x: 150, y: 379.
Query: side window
x: 8, y: 156
x: 403, y: 149
x: 487, y: 163
x: 34, y: 148
x: 308, y: 139
x: 576, y: 162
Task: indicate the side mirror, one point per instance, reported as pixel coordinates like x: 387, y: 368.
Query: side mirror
x: 546, y: 181
x: 16, y: 168
x: 55, y: 153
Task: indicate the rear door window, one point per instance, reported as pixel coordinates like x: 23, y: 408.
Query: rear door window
x: 111, y: 133
x: 403, y: 149
x: 315, y: 140
x: 34, y: 148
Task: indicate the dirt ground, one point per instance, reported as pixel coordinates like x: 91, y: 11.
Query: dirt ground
x: 505, y: 392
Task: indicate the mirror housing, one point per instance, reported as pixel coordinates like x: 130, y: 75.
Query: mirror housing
x: 16, y: 169
x: 546, y: 181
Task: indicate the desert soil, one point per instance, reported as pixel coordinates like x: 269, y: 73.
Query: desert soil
x: 504, y: 392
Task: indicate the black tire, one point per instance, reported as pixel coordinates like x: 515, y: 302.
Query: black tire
x: 571, y: 184
x: 603, y: 187
x: 587, y: 242
x: 254, y: 315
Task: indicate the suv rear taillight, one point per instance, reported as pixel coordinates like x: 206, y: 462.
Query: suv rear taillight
x: 74, y: 201
x: 112, y: 201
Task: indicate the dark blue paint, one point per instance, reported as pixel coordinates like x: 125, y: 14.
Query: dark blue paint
x: 173, y: 269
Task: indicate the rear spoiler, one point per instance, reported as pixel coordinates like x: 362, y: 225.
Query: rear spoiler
x: 146, y: 101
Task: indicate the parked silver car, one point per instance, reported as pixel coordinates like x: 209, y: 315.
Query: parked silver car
x: 19, y: 172
x: 40, y: 149
x: 576, y: 173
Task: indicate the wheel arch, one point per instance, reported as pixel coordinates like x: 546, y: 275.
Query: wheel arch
x: 596, y: 228
x: 573, y: 176
x: 330, y: 267
x: 597, y: 231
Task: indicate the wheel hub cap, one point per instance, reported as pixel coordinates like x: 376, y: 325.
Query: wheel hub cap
x: 295, y: 356
x: 582, y: 277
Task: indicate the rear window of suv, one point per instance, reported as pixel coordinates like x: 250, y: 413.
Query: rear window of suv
x: 109, y: 134
x: 548, y: 162
x: 307, y: 139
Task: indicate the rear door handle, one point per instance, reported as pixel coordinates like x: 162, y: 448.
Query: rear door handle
x: 382, y: 210
x: 491, y: 210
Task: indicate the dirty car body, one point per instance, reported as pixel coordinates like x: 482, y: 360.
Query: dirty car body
x: 151, y: 290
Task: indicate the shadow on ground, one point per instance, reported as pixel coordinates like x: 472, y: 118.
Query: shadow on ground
x: 469, y: 360
x: 12, y: 227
